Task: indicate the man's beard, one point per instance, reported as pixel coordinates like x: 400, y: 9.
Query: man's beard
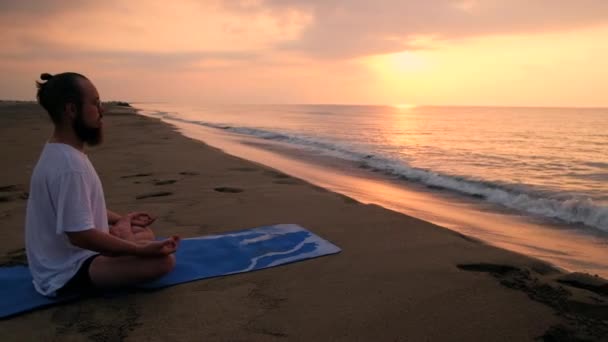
x: 90, y: 135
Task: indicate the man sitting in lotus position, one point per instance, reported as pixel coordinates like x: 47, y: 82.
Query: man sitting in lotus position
x: 70, y: 244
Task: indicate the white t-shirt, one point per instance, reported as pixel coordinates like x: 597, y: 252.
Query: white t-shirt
x: 65, y: 196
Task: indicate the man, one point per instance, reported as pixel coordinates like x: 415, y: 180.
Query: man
x: 70, y: 245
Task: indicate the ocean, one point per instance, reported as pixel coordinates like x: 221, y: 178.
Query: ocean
x: 533, y: 180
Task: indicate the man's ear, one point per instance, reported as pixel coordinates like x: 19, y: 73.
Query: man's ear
x: 70, y: 110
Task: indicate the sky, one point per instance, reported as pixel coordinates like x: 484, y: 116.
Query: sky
x: 427, y: 52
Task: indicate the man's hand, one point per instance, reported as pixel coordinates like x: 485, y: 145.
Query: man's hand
x: 158, y: 248
x: 141, y: 219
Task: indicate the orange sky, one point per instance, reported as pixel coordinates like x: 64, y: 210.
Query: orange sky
x: 463, y: 52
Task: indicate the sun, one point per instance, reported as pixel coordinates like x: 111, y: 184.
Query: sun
x: 405, y: 62
x: 405, y: 106
x: 399, y: 64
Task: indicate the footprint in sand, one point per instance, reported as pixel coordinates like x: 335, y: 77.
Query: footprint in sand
x: 12, y: 192
x: 137, y: 175
x: 9, y: 188
x: 585, y: 281
x: 163, y: 182
x: 228, y: 189
x: 154, y: 194
x: 158, y: 182
x: 559, y: 298
x: 189, y: 173
x: 281, y: 178
x: 495, y: 269
x: 278, y: 175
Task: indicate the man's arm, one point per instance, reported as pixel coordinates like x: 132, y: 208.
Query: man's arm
x: 98, y: 241
x: 104, y: 243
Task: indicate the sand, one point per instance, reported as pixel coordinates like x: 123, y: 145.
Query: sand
x: 398, y: 278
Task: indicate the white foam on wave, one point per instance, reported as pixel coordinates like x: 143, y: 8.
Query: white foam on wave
x: 523, y: 198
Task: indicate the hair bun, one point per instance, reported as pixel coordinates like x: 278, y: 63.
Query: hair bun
x: 46, y: 76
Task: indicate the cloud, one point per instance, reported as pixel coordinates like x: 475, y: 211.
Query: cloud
x: 35, y: 51
x: 316, y: 28
x: 43, y: 7
x: 184, y: 34
x: 290, y: 50
x: 351, y: 28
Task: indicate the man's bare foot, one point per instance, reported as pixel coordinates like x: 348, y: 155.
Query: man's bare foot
x: 142, y: 233
x: 122, y: 229
x: 158, y: 248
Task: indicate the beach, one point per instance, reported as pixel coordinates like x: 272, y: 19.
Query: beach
x: 397, y: 277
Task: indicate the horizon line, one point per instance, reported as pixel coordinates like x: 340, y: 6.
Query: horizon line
x: 406, y: 106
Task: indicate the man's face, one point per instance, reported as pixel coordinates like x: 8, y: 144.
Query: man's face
x: 87, y: 123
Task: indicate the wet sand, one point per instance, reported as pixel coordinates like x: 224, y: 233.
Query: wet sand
x: 398, y: 278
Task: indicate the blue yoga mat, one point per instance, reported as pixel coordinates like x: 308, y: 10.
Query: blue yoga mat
x: 197, y: 258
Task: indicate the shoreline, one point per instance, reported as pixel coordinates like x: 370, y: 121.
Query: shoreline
x: 573, y: 248
x: 398, y: 276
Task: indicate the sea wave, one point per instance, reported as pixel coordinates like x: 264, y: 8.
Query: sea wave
x: 520, y: 197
